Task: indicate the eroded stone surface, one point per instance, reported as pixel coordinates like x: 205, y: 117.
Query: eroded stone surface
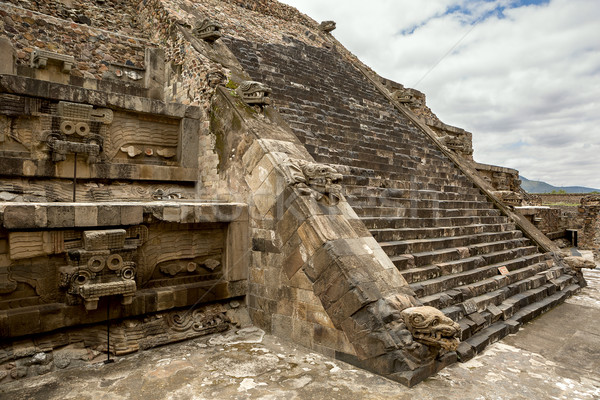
x: 520, y: 367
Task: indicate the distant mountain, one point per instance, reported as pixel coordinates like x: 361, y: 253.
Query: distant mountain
x: 543, y: 187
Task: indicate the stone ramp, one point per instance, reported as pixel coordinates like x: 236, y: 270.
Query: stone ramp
x: 442, y: 233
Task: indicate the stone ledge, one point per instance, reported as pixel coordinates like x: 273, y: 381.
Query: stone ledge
x: 60, y: 92
x: 45, y: 169
x: 495, y: 168
x: 48, y: 317
x: 17, y: 216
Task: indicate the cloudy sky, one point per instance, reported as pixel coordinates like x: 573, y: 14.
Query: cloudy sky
x: 522, y: 75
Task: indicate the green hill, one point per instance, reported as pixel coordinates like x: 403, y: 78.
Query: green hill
x: 543, y: 187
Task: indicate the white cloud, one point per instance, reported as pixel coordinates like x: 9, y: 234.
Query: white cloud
x: 526, y: 83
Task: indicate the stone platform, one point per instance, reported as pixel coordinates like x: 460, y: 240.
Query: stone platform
x: 555, y: 356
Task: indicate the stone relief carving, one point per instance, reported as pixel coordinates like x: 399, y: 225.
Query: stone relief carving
x: 327, y: 26
x: 430, y: 326
x: 40, y: 58
x: 320, y: 181
x: 76, y: 128
x: 103, y: 266
x: 203, y: 321
x: 207, y: 30
x: 160, y: 194
x: 254, y: 93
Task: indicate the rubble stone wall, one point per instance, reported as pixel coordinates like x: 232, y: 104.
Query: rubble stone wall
x: 568, y: 198
x: 94, y: 48
x: 589, y: 212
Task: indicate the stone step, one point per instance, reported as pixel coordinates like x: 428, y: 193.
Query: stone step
x: 477, y: 342
x: 383, y: 211
x: 507, y: 299
x: 356, y: 141
x: 534, y: 310
x: 414, y: 202
x: 413, y: 275
x: 478, y: 280
x: 371, y: 187
x: 497, y: 257
x: 458, y: 300
x: 405, y: 261
x: 391, y: 234
x: 410, y: 179
x: 409, y: 222
x: 423, y: 245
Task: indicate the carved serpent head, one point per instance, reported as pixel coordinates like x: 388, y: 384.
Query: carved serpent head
x: 254, y: 93
x: 323, y: 179
x: 430, y: 326
x: 207, y: 30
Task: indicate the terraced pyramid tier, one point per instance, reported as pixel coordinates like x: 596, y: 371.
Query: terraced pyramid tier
x: 442, y: 233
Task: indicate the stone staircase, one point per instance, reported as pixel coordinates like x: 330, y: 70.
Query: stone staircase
x: 442, y: 233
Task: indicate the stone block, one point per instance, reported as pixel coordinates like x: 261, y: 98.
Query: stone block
x: 293, y: 263
x: 374, y: 344
x: 86, y: 215
x: 7, y: 57
x: 188, y: 148
x: 237, y: 251
x: 319, y: 262
x: 164, y: 299
x: 465, y: 351
x: 325, y: 336
x: 260, y: 172
x: 23, y: 321
x: 495, y: 312
x: 266, y: 195
x: 351, y: 302
x: 302, y: 332
x: 252, y: 156
x: 107, y: 239
x: 132, y: 215
x: 287, y: 225
x: 281, y: 326
x: 25, y: 216
x: 320, y: 317
x: 171, y: 213
x: 109, y: 215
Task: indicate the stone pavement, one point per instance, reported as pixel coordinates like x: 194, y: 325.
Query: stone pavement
x: 557, y: 356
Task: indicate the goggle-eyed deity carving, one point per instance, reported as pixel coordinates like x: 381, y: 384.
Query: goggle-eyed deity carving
x: 105, y: 266
x: 76, y: 128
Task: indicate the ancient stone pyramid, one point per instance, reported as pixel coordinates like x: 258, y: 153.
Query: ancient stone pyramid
x: 236, y: 161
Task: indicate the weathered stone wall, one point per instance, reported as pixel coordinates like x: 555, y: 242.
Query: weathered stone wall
x: 110, y: 15
x: 572, y: 199
x: 94, y: 48
x: 138, y: 242
x: 589, y: 212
